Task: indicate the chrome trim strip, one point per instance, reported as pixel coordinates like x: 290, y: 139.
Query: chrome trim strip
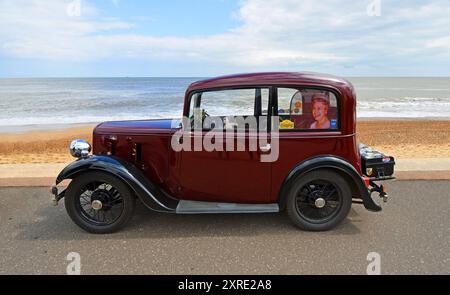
x: 197, y: 207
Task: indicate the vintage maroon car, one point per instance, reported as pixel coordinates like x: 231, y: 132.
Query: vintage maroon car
x: 306, y: 160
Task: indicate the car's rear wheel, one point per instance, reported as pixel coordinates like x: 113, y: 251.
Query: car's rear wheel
x: 319, y: 200
x: 99, y: 202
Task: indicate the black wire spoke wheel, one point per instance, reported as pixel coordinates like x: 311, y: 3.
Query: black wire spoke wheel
x: 100, y: 203
x: 318, y: 201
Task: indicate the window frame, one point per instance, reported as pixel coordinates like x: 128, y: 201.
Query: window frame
x: 270, y: 89
x: 306, y: 87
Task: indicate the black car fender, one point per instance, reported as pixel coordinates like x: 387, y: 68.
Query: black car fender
x: 151, y: 195
x: 329, y: 162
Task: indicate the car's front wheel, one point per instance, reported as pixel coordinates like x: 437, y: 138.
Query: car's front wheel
x: 319, y: 200
x: 99, y: 202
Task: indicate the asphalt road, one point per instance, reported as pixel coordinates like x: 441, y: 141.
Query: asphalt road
x: 411, y: 234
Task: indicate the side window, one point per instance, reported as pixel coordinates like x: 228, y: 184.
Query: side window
x: 227, y: 105
x: 307, y: 109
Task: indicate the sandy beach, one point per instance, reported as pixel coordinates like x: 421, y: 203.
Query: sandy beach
x: 50, y: 146
x: 407, y: 139
x: 404, y: 139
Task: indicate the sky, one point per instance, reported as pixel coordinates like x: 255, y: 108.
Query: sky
x: 133, y: 38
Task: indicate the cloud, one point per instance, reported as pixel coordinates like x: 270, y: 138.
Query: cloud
x: 281, y: 34
x: 46, y: 30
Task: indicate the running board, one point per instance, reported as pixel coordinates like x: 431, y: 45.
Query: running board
x: 196, y: 207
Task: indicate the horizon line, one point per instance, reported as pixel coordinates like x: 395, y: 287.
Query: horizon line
x: 186, y: 77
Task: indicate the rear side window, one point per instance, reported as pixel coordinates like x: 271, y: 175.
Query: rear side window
x: 307, y: 109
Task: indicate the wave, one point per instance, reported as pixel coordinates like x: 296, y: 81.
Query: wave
x: 78, y: 101
x: 64, y: 120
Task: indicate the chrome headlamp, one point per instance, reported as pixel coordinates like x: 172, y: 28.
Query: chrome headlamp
x: 80, y: 148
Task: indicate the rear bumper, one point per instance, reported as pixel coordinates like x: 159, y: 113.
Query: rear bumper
x: 371, y: 188
x: 384, y: 178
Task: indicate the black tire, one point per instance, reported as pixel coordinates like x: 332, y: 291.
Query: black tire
x: 118, y: 202
x: 301, y: 204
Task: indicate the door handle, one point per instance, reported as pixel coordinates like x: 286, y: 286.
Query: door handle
x: 265, y: 148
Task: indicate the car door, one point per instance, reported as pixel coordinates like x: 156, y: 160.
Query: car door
x: 235, y: 172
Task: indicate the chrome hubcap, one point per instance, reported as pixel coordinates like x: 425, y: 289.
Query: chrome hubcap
x: 97, y: 205
x: 320, y: 203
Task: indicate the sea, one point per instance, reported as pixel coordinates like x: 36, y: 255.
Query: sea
x: 47, y: 103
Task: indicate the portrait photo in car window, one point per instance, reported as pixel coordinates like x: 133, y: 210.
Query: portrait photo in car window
x: 307, y: 109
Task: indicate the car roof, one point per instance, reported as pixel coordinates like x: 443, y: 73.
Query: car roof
x: 272, y: 78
